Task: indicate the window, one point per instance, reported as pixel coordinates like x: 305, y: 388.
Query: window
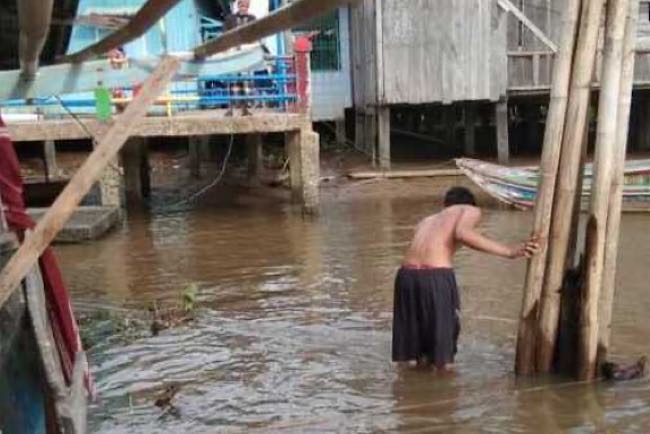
x: 326, y: 54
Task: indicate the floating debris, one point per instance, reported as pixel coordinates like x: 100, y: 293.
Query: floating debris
x: 614, y: 371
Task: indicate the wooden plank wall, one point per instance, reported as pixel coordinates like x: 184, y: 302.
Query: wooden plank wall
x: 363, y: 51
x: 528, y: 65
x: 442, y: 51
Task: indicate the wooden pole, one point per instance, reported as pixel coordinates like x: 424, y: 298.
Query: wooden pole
x: 616, y: 192
x: 567, y: 180
x: 54, y: 219
x: 525, y: 363
x: 602, y: 182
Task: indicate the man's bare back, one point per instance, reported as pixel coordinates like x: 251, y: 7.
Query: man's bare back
x: 438, y: 236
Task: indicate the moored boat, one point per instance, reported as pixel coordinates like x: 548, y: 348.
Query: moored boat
x: 517, y: 186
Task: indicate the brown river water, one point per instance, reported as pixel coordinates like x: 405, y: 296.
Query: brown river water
x: 293, y: 329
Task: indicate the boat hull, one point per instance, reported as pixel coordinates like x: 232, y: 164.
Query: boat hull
x: 517, y: 186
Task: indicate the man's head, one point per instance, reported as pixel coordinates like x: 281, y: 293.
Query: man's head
x: 459, y: 196
x: 243, y: 6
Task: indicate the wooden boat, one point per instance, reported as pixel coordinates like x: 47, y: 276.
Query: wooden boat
x: 517, y: 186
x: 34, y: 397
x: 70, y: 78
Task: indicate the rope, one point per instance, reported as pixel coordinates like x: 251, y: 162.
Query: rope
x: 176, y: 206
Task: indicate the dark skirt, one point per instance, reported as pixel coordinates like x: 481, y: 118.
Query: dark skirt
x: 425, y: 315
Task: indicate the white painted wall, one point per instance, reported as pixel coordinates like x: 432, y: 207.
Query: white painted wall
x: 332, y: 90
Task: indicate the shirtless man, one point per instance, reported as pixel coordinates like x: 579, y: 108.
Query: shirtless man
x: 425, y: 322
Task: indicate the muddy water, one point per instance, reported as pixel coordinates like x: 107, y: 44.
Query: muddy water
x: 293, y: 329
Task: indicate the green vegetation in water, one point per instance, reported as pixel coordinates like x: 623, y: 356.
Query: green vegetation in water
x: 128, y: 325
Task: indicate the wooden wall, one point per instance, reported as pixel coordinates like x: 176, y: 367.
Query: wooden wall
x: 441, y: 51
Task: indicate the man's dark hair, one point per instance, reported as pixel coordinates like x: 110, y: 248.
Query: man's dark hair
x: 459, y: 196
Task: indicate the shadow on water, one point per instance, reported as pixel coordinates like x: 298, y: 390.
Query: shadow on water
x: 293, y: 327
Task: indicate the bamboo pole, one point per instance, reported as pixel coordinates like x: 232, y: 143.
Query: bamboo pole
x: 525, y: 360
x: 616, y: 192
x: 602, y: 182
x: 567, y: 182
x: 56, y: 216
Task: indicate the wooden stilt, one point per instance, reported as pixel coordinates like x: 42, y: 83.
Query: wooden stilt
x: 383, y: 139
x: 503, y: 142
x: 616, y: 192
x: 470, y: 129
x: 526, y: 338
x: 56, y: 216
x: 576, y: 118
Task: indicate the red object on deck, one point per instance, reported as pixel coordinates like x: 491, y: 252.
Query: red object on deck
x: 64, y: 325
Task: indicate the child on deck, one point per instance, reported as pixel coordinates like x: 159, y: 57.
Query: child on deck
x: 426, y: 304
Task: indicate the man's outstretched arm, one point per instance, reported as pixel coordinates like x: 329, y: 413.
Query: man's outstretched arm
x: 468, y: 235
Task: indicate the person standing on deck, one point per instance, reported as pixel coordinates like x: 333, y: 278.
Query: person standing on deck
x: 426, y: 321
x: 241, y: 17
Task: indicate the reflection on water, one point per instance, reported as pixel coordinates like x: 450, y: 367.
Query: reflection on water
x: 293, y: 333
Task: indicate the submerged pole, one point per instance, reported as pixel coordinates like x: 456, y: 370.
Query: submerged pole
x: 525, y: 361
x: 567, y: 180
x: 616, y: 191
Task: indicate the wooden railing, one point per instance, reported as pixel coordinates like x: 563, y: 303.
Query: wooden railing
x: 531, y: 71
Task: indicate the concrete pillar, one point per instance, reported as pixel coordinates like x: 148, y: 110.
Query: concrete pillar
x: 135, y: 161
x: 303, y: 149
x: 503, y: 145
x: 470, y: 129
x: 383, y: 137
x: 255, y: 156
x: 111, y: 185
x: 49, y: 158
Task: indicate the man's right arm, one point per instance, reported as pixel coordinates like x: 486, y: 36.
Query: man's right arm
x: 468, y: 235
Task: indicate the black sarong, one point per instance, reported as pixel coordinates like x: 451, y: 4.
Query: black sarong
x: 425, y: 315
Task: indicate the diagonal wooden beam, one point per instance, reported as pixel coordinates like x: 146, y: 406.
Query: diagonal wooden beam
x: 507, y: 6
x: 55, y: 217
x: 147, y: 16
x: 278, y: 21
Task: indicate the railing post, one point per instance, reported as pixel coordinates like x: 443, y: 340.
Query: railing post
x: 302, y: 53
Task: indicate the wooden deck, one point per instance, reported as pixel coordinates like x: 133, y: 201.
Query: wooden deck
x: 201, y: 123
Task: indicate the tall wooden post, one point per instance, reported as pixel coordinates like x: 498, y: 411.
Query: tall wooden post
x: 602, y: 181
x: 564, y: 200
x: 616, y: 192
x: 526, y: 337
x: 383, y: 137
x: 470, y: 129
x: 503, y: 143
